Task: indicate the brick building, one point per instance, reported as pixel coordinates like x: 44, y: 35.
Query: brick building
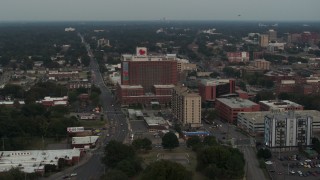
x: 135, y: 94
x: 210, y: 89
x: 299, y: 85
x: 229, y: 108
x: 147, y: 78
x: 238, y: 57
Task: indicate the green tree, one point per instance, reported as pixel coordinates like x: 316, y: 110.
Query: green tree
x: 194, y: 142
x: 166, y: 170
x: 16, y: 174
x: 210, y: 141
x: 142, y: 144
x: 264, y: 153
x: 316, y: 144
x: 114, y: 174
x: 212, y: 115
x: 129, y: 166
x: 220, y: 162
x: 230, y: 72
x: 12, y: 90
x: 170, y: 141
x: 115, y: 152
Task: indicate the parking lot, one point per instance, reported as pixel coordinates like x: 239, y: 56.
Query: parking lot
x: 295, y: 166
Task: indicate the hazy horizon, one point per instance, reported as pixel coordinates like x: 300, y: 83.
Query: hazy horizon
x: 146, y: 10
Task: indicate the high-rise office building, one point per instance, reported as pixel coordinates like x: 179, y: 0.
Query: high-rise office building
x: 286, y: 130
x: 144, y: 76
x: 186, y: 106
x: 272, y: 35
x: 264, y: 40
x: 149, y: 73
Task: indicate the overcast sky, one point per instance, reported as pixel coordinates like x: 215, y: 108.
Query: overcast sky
x: 106, y: 10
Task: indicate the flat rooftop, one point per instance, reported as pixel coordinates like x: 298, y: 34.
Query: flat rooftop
x: 274, y: 104
x: 33, y: 160
x: 130, y: 87
x: 84, y: 140
x: 155, y: 121
x: 164, y: 86
x: 258, y: 117
x: 212, y: 82
x: 236, y: 102
x: 254, y: 117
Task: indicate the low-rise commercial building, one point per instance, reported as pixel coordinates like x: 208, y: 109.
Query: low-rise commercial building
x: 261, y: 64
x: 54, y: 101
x: 34, y: 161
x: 84, y: 142
x: 282, y: 105
x: 76, y: 84
x: 252, y: 122
x: 156, y: 124
x: 238, y: 57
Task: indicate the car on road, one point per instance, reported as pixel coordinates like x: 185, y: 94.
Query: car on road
x: 73, y: 174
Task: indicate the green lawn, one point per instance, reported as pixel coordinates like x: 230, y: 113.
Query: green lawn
x: 83, y: 74
x: 92, y: 123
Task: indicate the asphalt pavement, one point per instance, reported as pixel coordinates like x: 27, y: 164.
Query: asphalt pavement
x: 92, y: 168
x: 224, y: 131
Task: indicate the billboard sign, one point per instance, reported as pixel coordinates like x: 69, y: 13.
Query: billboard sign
x: 125, y: 71
x: 75, y: 129
x: 141, y: 51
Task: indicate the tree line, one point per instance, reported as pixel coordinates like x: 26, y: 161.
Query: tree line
x: 20, y: 125
x: 217, y: 161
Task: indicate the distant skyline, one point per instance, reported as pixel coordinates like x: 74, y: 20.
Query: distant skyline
x: 122, y: 10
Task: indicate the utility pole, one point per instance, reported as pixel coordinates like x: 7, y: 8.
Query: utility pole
x: 3, y: 145
x: 42, y: 143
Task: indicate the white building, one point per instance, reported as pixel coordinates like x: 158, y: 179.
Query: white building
x: 253, y: 122
x: 84, y: 142
x: 30, y: 161
x: 69, y: 29
x: 282, y: 105
x: 287, y: 130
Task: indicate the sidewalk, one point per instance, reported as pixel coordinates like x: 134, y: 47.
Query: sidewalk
x: 69, y: 170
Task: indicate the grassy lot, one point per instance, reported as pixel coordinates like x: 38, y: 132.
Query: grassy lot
x: 83, y: 75
x: 152, y: 156
x: 92, y: 123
